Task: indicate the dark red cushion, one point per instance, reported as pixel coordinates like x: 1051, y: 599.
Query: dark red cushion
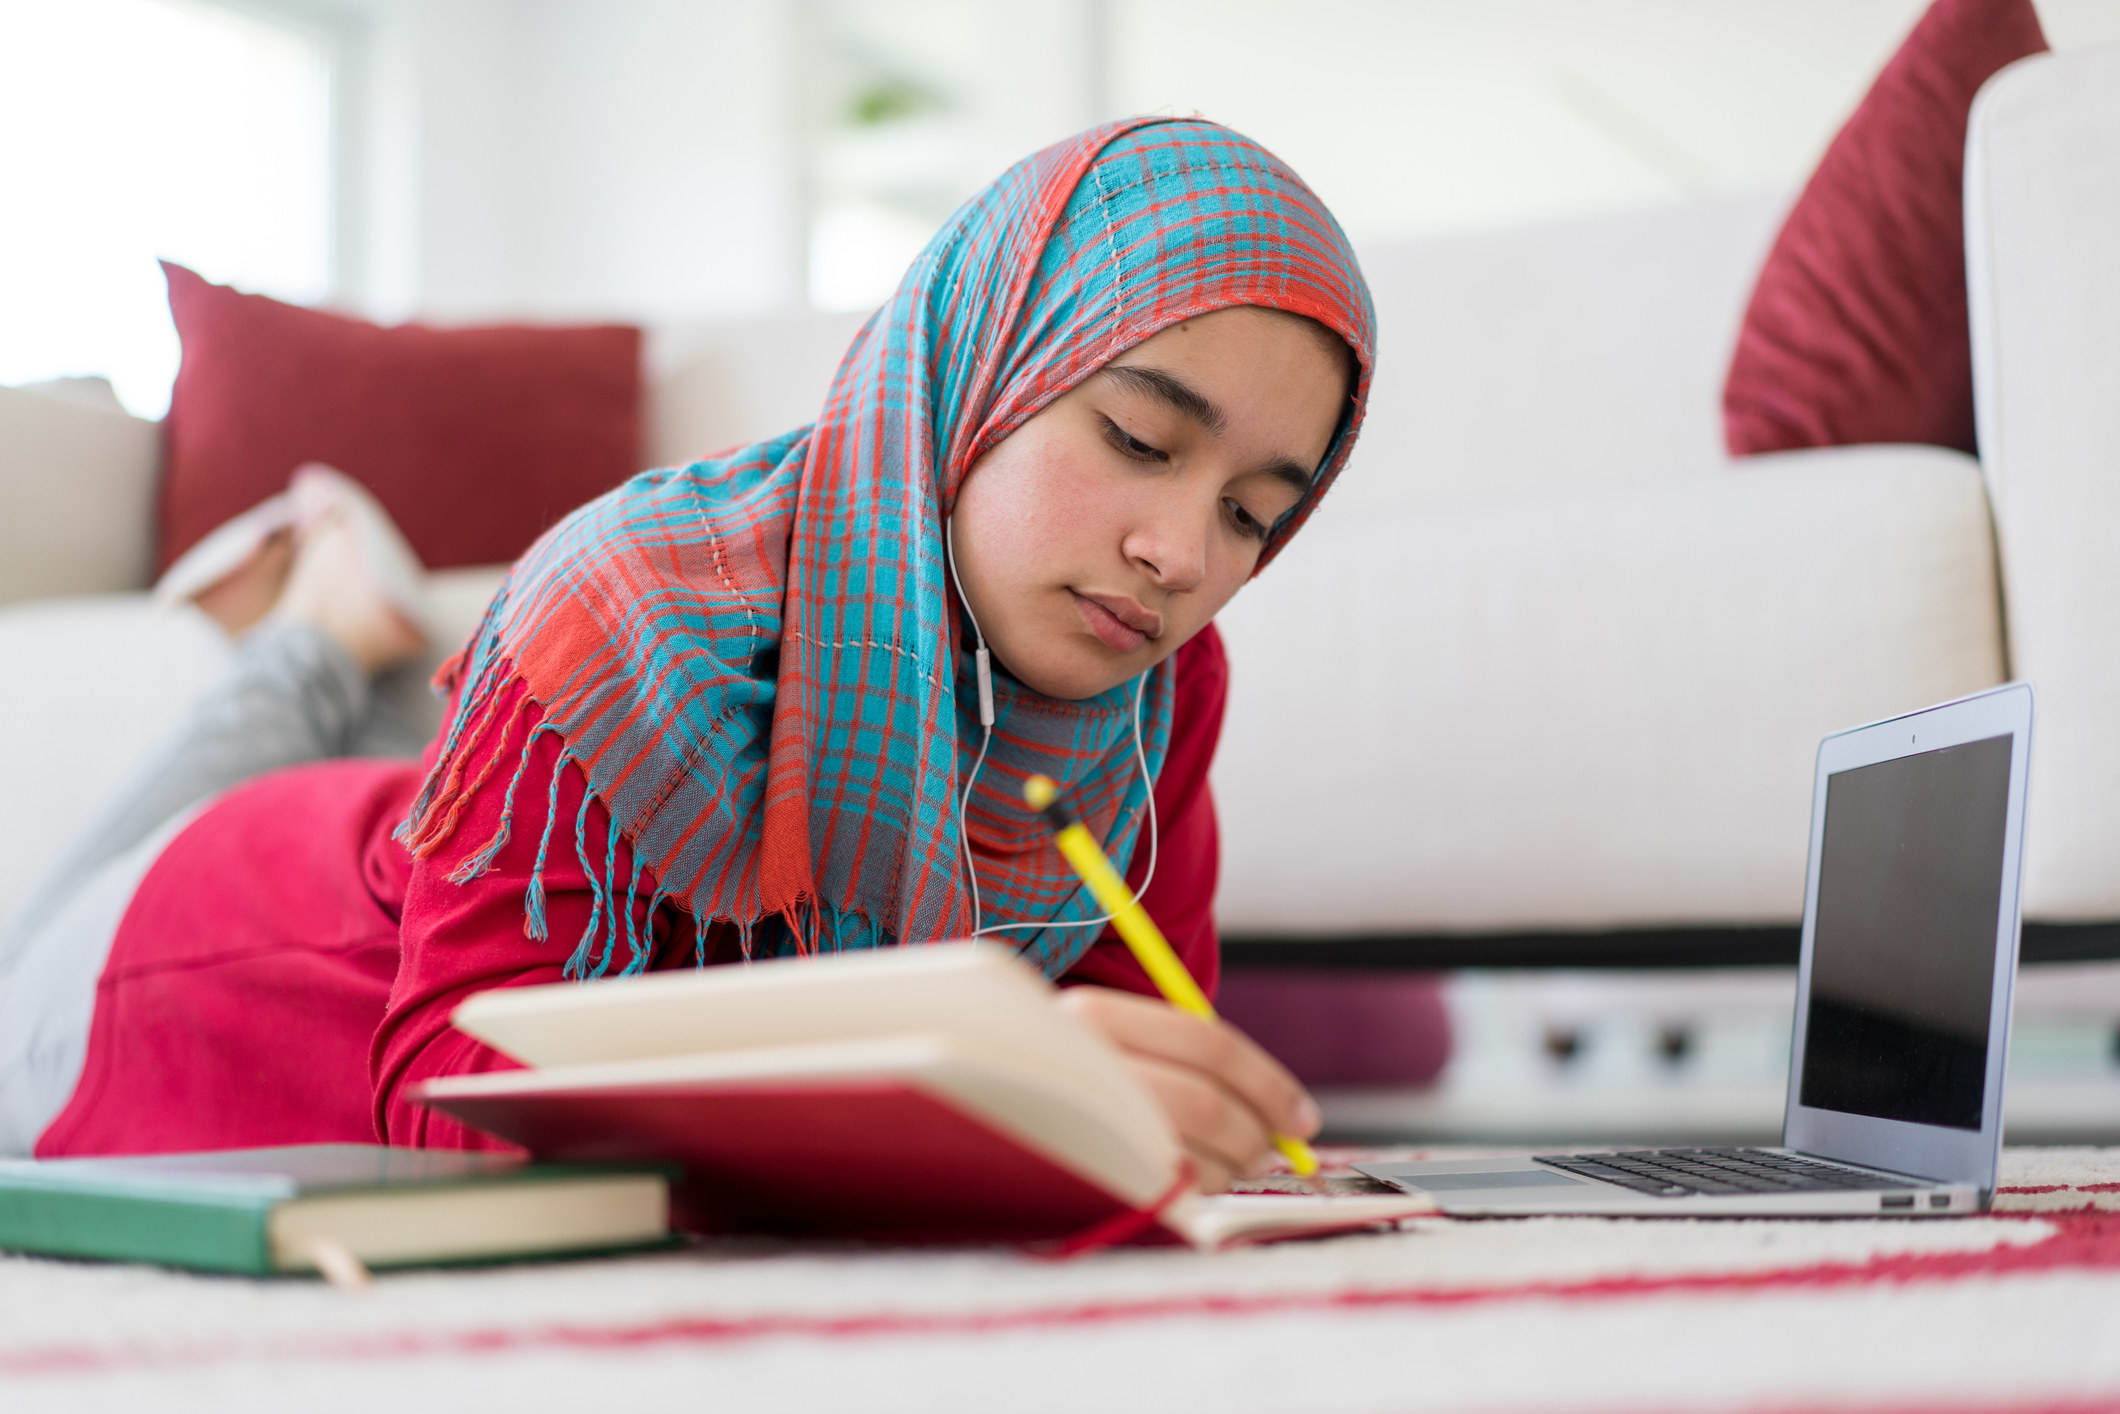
x: 1857, y: 328
x: 474, y: 439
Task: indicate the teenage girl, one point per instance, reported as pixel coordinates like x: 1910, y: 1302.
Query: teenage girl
x: 784, y: 700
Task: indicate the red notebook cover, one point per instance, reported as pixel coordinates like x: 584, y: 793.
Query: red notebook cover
x: 883, y: 1160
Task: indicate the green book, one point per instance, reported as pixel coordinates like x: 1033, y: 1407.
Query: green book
x: 313, y: 1206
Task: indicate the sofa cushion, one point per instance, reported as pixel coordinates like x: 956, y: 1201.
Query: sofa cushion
x: 1857, y: 328
x: 76, y: 488
x: 474, y: 439
x: 1564, y: 357
x: 1591, y: 711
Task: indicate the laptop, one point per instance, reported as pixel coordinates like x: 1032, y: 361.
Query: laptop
x: 1910, y: 927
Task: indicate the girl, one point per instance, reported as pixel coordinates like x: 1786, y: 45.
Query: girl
x: 784, y: 700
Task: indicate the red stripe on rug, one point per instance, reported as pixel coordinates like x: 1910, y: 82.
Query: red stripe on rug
x: 2083, y: 1240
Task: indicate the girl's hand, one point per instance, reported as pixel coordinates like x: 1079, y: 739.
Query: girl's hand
x: 1225, y: 1096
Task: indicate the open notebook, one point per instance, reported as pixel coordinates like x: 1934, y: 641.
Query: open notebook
x: 926, y: 1093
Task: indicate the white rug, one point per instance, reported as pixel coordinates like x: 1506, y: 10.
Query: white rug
x: 2017, y: 1311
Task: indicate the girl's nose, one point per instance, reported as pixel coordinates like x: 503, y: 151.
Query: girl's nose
x: 1169, y: 542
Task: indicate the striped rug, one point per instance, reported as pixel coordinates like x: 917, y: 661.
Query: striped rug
x: 2015, y: 1311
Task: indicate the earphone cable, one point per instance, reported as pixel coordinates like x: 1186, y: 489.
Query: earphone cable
x: 1154, y: 838
x: 986, y: 740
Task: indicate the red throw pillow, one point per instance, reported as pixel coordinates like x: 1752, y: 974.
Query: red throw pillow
x: 473, y: 439
x: 1857, y: 328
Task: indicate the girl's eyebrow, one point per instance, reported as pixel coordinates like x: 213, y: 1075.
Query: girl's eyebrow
x: 1180, y: 396
x: 1290, y: 471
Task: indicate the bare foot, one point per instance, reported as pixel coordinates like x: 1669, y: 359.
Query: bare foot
x: 246, y: 594
x: 330, y: 588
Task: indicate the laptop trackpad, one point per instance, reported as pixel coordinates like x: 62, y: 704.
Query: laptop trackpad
x: 1500, y: 1178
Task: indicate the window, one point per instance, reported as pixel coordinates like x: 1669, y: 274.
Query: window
x: 890, y: 151
x: 151, y: 128
x: 914, y: 105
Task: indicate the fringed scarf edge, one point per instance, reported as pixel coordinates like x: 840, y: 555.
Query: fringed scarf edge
x: 439, y: 807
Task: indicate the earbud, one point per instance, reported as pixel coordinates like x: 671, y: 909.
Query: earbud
x: 982, y: 661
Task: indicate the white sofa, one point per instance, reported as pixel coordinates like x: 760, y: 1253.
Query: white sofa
x: 1549, y: 661
x: 1546, y: 660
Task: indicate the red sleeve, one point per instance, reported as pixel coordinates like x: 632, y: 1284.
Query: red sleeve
x: 1181, y: 897
x: 456, y: 939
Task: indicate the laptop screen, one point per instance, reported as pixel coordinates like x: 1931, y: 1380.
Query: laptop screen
x: 1903, y: 946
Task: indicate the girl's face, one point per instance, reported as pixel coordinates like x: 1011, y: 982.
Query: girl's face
x: 1108, y: 530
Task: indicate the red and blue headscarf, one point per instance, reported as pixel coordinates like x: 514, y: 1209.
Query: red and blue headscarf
x: 755, y: 660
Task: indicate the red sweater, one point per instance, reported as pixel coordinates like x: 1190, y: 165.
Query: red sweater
x: 285, y: 971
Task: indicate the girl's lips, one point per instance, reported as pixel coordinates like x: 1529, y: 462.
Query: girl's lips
x: 1112, y: 631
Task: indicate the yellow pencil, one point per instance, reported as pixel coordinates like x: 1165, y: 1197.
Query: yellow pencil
x: 1139, y: 930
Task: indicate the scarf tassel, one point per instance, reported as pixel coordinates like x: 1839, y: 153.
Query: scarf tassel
x: 534, y: 926
x: 442, y: 798
x: 578, y: 965
x: 481, y: 860
x: 805, y: 921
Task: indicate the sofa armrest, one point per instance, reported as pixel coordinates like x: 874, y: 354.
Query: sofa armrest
x: 2042, y: 230
x: 77, y: 487
x: 1591, y: 712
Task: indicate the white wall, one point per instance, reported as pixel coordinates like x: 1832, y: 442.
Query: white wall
x: 645, y: 158
x: 573, y: 158
x: 1411, y: 118
x: 1421, y: 117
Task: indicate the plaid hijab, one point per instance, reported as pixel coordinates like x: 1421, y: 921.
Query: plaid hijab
x: 755, y: 660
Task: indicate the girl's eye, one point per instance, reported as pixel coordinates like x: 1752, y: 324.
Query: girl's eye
x: 1130, y: 445
x: 1248, y: 525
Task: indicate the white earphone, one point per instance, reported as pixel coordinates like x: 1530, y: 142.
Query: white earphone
x: 983, y: 666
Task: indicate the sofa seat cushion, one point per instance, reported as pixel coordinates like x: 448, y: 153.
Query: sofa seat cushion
x: 104, y: 681
x: 1587, y: 711
x: 108, y: 680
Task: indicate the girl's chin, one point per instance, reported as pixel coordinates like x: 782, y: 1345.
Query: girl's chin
x: 1067, y: 687
x: 1089, y: 672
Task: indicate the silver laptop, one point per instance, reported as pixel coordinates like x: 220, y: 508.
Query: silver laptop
x: 1902, y: 1001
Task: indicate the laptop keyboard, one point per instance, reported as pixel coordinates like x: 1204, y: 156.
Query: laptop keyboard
x: 1681, y: 1173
